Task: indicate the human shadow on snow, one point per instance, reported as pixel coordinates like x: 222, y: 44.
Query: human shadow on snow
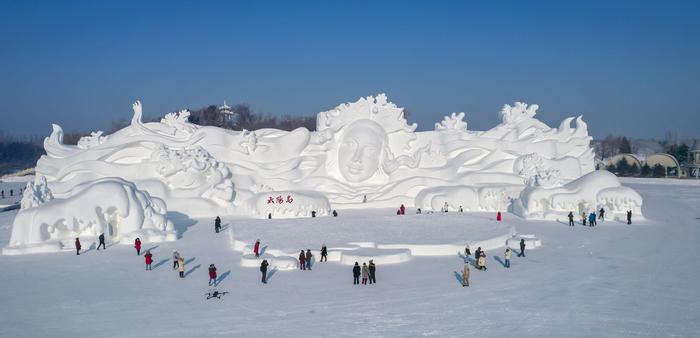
x: 90, y: 248
x: 181, y: 222
x: 225, y: 226
x: 190, y: 260
x: 465, y: 259
x: 161, y: 262
x: 222, y: 277
x: 192, y: 270
x: 151, y: 248
x: 458, y: 277
x: 498, y: 259
x: 262, y: 250
x: 270, y: 274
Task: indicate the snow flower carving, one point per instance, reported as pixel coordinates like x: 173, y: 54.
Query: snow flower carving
x: 454, y: 122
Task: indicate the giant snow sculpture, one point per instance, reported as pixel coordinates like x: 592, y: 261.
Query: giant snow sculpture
x: 362, y: 154
x: 110, y: 205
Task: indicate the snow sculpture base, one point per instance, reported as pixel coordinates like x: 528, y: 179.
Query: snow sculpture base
x: 584, y: 195
x: 288, y: 204
x: 111, y: 206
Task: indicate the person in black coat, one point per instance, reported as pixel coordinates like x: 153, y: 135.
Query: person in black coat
x: 263, y: 269
x: 356, y: 274
x: 571, y: 218
x: 372, y: 272
x: 313, y: 213
x: 217, y: 224
x: 324, y: 253
x: 102, y: 242
x: 335, y: 213
x: 522, y: 248
x: 77, y: 246
x: 629, y: 216
x: 601, y: 214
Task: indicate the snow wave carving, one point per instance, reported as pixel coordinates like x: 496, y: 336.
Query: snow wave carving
x: 584, y: 195
x: 111, y: 206
x: 364, y: 154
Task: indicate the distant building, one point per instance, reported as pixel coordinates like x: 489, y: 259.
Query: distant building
x: 672, y: 168
x: 694, y: 160
x: 226, y: 112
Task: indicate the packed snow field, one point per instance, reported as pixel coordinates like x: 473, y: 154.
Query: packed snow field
x: 612, y: 280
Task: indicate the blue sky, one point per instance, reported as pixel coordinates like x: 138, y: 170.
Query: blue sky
x: 630, y: 67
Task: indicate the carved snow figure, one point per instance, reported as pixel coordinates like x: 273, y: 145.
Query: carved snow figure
x: 362, y: 150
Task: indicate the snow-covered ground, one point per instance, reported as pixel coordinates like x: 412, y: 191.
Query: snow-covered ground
x: 613, y: 280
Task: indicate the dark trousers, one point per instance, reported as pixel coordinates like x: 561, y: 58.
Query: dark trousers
x: 138, y: 252
x: 77, y: 251
x: 176, y: 264
x: 308, y: 264
x: 103, y: 246
x: 356, y: 280
x: 182, y: 274
x: 302, y: 264
x: 629, y: 220
x: 148, y: 267
x: 217, y: 229
x: 522, y: 252
x: 571, y: 222
x: 507, y: 265
x: 264, y: 276
x: 324, y: 258
x: 372, y: 278
x: 364, y: 281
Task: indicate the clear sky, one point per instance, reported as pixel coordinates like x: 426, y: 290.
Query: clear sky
x: 630, y: 68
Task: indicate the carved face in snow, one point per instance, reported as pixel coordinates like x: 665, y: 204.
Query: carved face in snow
x: 361, y: 149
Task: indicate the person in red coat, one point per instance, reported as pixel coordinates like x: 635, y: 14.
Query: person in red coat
x: 498, y: 216
x: 402, y: 209
x: 137, y: 245
x: 149, y: 259
x: 256, y: 248
x: 212, y: 274
x: 77, y: 246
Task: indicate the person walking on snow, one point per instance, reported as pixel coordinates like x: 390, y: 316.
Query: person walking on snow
x: 263, y: 270
x: 482, y: 261
x: 308, y: 258
x: 402, y: 209
x: 467, y: 252
x: 522, y: 248
x: 212, y: 274
x: 217, y: 224
x: 356, y: 274
x: 176, y: 259
x: 465, y: 275
x: 102, y: 242
x: 149, y: 259
x: 446, y: 207
x: 324, y: 253
x: 372, y: 272
x: 629, y: 216
x: 498, y: 216
x: 181, y: 267
x: 601, y: 214
x: 77, y: 246
x: 256, y: 248
x: 591, y: 219
x: 302, y: 260
x: 137, y: 245
x: 571, y: 218
x: 506, y: 255
x: 365, y: 273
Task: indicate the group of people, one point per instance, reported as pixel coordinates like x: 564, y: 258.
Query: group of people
x: 480, y: 260
x: 367, y: 272
x: 12, y: 192
x: 592, y: 219
x: 100, y: 238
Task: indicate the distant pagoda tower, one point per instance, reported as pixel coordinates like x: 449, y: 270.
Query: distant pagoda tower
x: 695, y: 159
x: 225, y: 111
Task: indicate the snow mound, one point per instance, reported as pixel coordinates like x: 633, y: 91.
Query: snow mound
x: 111, y: 206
